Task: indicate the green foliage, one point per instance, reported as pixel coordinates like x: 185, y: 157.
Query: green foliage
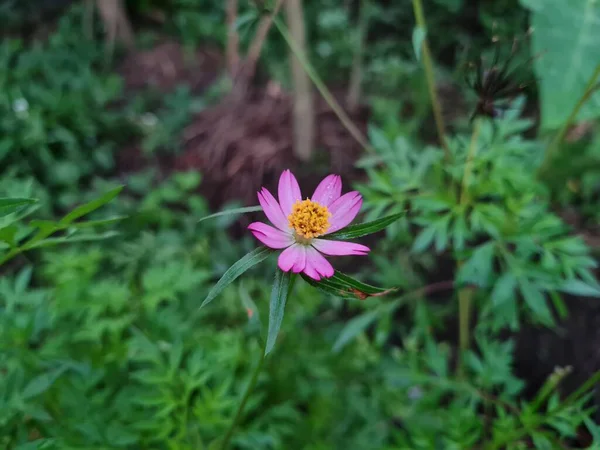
x: 104, y: 344
x: 497, y: 224
x: 56, y: 120
x: 563, y: 29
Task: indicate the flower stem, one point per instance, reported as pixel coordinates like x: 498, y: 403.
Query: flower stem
x: 428, y: 67
x: 249, y: 389
x: 465, y: 294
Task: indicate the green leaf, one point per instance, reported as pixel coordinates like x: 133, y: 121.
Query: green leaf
x: 99, y: 222
x: 7, y: 234
x: 580, y: 287
x: 355, y: 327
x: 341, y: 285
x: 279, y: 295
x: 10, y: 205
x: 329, y: 287
x: 478, y: 268
x: 364, y: 229
x: 424, y: 239
x: 87, y: 208
x: 247, y: 209
x: 41, y: 383
x: 566, y: 36
x: 353, y: 283
x: 504, y: 290
x: 536, y: 301
x: 418, y: 37
x: 50, y: 242
x: 242, y: 265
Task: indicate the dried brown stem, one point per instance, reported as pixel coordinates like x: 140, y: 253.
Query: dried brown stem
x: 116, y: 23
x: 233, y: 38
x: 303, y: 107
x: 257, y: 43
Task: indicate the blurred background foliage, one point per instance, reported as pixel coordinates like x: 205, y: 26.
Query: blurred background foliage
x: 102, y: 345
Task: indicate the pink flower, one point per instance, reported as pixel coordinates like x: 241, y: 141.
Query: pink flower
x: 299, y: 223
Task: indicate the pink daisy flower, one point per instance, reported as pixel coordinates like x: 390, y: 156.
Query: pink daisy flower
x: 299, y: 224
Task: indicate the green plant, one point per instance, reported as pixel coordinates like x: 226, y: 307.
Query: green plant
x: 56, y: 120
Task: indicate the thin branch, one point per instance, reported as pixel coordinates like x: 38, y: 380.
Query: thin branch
x: 233, y: 38
x: 428, y: 67
x: 259, y: 40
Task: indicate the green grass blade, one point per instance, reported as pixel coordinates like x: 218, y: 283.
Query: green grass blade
x: 244, y: 210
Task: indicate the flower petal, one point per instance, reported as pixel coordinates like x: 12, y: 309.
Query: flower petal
x: 339, y: 248
x: 317, y: 266
x: 344, y: 210
x: 300, y: 259
x: 273, y: 210
x: 288, y: 192
x: 328, y: 190
x: 292, y: 258
x: 271, y: 237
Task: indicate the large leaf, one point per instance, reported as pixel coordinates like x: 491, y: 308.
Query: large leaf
x: 566, y: 35
x: 279, y: 295
x: 250, y: 260
x: 227, y: 212
x: 364, y: 229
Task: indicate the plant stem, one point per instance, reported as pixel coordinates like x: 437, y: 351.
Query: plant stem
x: 354, y: 91
x: 331, y: 101
x: 469, y: 165
x: 303, y: 110
x: 553, y: 147
x: 240, y: 410
x: 428, y: 67
x: 465, y: 295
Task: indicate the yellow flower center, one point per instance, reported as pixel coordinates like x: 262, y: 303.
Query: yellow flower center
x: 309, y: 219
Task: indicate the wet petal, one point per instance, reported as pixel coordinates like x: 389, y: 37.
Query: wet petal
x: 339, y: 248
x: 317, y: 266
x: 272, y: 210
x: 288, y: 192
x: 328, y: 190
x: 271, y: 237
x: 344, y: 210
x: 292, y: 258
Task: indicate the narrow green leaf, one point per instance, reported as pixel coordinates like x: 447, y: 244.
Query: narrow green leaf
x: 355, y: 327
x: 364, y: 229
x: 41, y: 383
x: 244, y: 210
x: 99, y: 222
x: 536, y: 301
x: 10, y: 205
x: 357, y: 285
x: 344, y: 286
x: 90, y: 206
x: 279, y: 296
x: 580, y: 287
x: 418, y: 37
x: 50, y: 242
x: 329, y: 287
x: 504, y: 289
x: 242, y: 265
x: 424, y: 239
x: 479, y: 267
